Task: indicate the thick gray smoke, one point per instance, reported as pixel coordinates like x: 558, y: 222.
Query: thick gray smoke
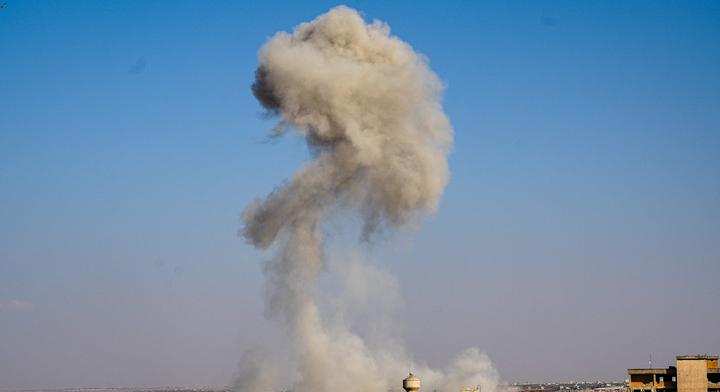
x: 369, y: 108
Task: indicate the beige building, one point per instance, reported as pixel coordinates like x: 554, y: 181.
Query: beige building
x: 692, y: 373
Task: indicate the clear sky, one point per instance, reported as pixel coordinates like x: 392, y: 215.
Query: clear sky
x: 580, y: 232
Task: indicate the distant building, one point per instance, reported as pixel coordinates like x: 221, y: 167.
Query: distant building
x: 693, y: 373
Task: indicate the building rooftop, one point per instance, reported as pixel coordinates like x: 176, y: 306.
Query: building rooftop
x: 705, y: 357
x: 670, y: 370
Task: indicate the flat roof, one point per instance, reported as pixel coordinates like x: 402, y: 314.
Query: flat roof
x: 706, y: 357
x: 670, y: 370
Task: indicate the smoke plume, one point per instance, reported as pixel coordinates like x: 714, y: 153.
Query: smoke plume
x: 369, y: 109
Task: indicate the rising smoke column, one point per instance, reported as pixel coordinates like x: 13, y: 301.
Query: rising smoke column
x: 369, y: 109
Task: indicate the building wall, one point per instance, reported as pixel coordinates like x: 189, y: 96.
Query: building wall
x: 692, y: 375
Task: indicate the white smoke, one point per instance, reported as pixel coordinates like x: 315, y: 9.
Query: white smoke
x: 369, y: 108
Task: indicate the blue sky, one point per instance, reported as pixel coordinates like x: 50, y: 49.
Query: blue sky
x: 579, y: 233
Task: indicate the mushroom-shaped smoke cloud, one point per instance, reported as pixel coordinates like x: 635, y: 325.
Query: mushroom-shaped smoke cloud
x: 369, y: 108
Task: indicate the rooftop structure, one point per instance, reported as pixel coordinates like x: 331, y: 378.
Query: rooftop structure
x: 692, y: 373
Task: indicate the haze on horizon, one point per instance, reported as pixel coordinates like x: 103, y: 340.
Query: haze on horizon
x: 577, y: 236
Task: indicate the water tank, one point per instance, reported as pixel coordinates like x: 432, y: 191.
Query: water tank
x: 411, y: 383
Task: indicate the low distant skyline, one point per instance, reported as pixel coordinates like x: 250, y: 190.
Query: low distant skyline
x: 578, y: 235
